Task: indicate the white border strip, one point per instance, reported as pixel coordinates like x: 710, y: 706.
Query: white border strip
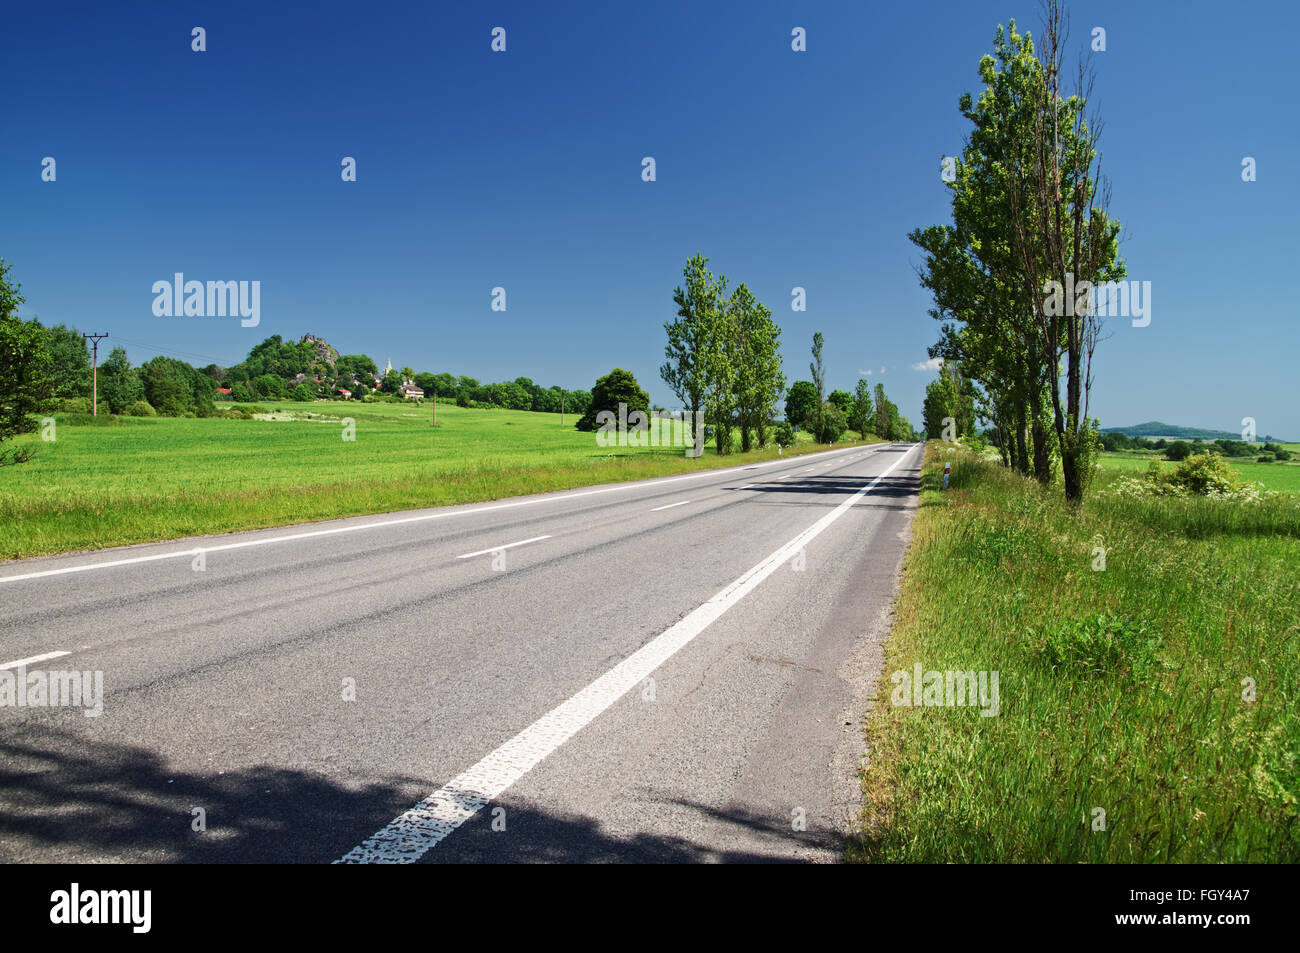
x: 415, y: 832
x: 470, y: 508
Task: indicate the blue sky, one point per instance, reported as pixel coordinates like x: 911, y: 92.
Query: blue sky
x: 523, y: 170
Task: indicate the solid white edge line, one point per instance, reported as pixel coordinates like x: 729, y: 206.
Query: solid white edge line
x: 412, y: 834
x: 33, y: 660
x: 669, y: 506
x: 471, y: 508
x: 496, y: 549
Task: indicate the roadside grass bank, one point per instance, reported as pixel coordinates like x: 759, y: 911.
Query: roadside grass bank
x: 1148, y: 711
x: 121, y: 480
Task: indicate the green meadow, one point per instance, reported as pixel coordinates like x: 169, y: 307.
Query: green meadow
x: 1273, y: 476
x: 1149, y: 702
x: 123, y: 480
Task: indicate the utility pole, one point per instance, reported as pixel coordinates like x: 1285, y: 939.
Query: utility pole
x: 561, y: 407
x: 94, y: 392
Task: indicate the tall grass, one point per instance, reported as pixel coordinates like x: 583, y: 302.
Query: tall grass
x: 1121, y: 688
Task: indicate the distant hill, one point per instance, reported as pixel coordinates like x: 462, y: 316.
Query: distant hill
x: 1155, y: 428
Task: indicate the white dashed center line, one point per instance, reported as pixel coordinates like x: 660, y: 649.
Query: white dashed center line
x: 497, y: 549
x: 669, y: 506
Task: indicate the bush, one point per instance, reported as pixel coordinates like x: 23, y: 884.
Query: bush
x: 1178, y: 450
x: 784, y: 433
x: 1204, y: 474
x: 1266, y: 458
x: 1282, y: 454
x: 304, y: 392
x: 1096, y: 645
x: 74, y: 405
x: 141, y: 408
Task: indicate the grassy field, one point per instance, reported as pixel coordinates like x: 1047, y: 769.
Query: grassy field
x: 1124, y: 690
x: 128, y: 480
x: 1274, y: 476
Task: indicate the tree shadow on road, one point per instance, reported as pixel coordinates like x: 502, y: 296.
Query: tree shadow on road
x: 66, y: 798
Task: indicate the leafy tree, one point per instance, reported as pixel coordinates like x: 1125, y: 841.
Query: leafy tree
x: 356, y: 367
x: 800, y: 403
x: 833, y: 422
x: 1178, y: 450
x: 269, y: 386
x: 69, y: 362
x: 168, y: 395
x: 25, y: 365
x: 243, y: 393
x: 758, y: 379
x: 722, y: 365
x: 885, y: 411
x: 577, y: 401
x: 119, y: 384
x: 618, y: 386
x: 698, y: 305
x: 304, y: 392
x: 841, y: 399
x: 949, y: 396
x: 819, y: 381
x: 860, y: 416
x: 444, y: 385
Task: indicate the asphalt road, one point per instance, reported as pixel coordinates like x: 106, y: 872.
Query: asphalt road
x: 667, y: 670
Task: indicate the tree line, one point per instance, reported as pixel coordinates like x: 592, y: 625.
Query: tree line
x: 56, y: 376
x: 724, y: 359
x: 1030, y: 232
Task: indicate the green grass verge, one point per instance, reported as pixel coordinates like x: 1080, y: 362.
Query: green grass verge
x: 1120, y: 689
x: 131, y: 480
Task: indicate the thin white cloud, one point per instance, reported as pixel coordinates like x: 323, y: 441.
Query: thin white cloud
x: 933, y: 364
x: 862, y: 373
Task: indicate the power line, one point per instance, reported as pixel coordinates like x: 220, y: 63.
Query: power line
x: 165, y: 351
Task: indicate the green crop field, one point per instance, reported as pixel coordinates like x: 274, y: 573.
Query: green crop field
x: 128, y: 480
x: 1274, y: 476
x: 1149, y: 704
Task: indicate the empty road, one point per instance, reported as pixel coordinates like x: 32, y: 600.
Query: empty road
x: 666, y: 670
